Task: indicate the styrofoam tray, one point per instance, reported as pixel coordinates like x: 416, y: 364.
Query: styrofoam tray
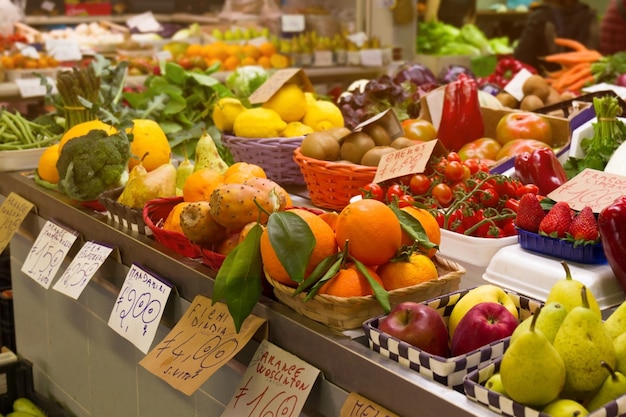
x: 583, y: 131
x: 533, y: 275
x: 20, y: 159
x: 473, y: 250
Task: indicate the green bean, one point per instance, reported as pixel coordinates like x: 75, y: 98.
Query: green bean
x: 21, y: 127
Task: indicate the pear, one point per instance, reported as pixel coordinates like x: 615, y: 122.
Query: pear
x: 620, y: 353
x: 567, y: 292
x: 207, y: 155
x: 552, y: 315
x: 494, y: 383
x: 185, y: 168
x: 564, y: 407
x: 583, y: 342
x: 160, y: 182
x: 137, y: 170
x: 613, y: 387
x: 616, y: 322
x: 531, y: 369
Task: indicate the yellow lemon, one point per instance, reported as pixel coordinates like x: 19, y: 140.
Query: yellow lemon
x: 259, y: 122
x: 81, y: 129
x: 294, y: 129
x: 149, y: 145
x: 310, y: 98
x: 47, y: 165
x: 225, y: 112
x: 289, y: 102
x: 323, y: 115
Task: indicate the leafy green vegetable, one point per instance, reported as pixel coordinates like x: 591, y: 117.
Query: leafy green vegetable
x: 609, y: 67
x: 433, y: 35
x: 245, y: 80
x: 438, y: 38
x: 472, y: 35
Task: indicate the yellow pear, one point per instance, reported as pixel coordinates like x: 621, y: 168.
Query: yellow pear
x: 158, y: 183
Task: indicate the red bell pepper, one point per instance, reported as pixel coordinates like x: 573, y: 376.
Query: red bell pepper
x: 612, y: 227
x: 542, y: 168
x: 461, y: 118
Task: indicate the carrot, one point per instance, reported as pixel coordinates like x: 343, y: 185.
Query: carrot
x: 580, y: 83
x: 572, y: 75
x: 570, y: 43
x: 572, y: 58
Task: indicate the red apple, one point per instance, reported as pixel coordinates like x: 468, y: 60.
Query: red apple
x: 523, y: 125
x: 484, y: 323
x: 419, y: 325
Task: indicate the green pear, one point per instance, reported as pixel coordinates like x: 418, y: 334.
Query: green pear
x: 564, y: 407
x: 185, y: 168
x: 620, y: 353
x: 531, y: 369
x: 567, y: 292
x: 494, y: 383
x: 160, y: 182
x: 207, y: 155
x: 583, y: 342
x: 613, y: 387
x: 552, y: 315
x: 616, y: 322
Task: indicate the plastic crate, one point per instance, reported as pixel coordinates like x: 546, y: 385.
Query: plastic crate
x: 16, y: 381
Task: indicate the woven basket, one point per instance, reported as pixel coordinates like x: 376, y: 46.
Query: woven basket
x: 332, y: 184
x: 122, y: 214
x: 274, y: 155
x: 341, y: 313
x: 154, y: 214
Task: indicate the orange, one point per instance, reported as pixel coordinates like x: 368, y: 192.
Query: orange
x: 81, y: 129
x: 251, y: 51
x: 247, y: 168
x: 430, y: 225
x: 264, y: 61
x: 330, y: 217
x: 324, y: 246
x: 47, y: 165
x: 372, y: 230
x: 172, y: 221
x: 230, y: 63
x: 200, y: 185
x: 404, y: 273
x: 267, y: 49
x: 349, y: 282
x: 194, y: 50
x: 279, y: 61
x: 248, y: 60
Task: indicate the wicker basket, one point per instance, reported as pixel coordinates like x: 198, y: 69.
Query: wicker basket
x: 122, y: 214
x: 154, y: 214
x: 332, y: 184
x: 274, y: 155
x: 341, y: 313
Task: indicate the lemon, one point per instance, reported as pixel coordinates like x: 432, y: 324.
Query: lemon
x: 294, y: 129
x: 323, y: 115
x: 148, y: 138
x: 289, y: 102
x: 225, y: 112
x: 310, y: 98
x: 259, y: 122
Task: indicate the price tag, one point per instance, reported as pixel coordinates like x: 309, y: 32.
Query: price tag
x: 48, y: 6
x: 435, y: 100
x: 292, y: 23
x: 198, y: 345
x: 405, y: 161
x: 323, y: 58
x: 32, y: 87
x: 163, y: 55
x: 13, y: 211
x: 139, y: 307
x: 372, y: 57
x: 276, y: 383
x: 359, y: 406
x: 64, y: 49
x: 29, y: 51
x: 591, y: 187
x: 514, y: 87
x: 82, y: 268
x: 45, y: 256
x: 144, y: 22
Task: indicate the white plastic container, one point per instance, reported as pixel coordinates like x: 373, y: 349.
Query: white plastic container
x: 473, y: 250
x: 533, y: 275
x: 20, y: 159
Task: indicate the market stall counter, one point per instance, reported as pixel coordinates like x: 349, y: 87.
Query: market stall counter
x: 86, y: 366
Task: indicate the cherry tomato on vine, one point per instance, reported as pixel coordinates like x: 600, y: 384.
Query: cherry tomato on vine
x: 405, y: 200
x: 443, y: 194
x: 472, y: 164
x: 489, y: 198
x: 527, y: 188
x: 454, y: 171
x: 373, y: 190
x: 395, y: 191
x: 420, y: 184
x: 453, y: 156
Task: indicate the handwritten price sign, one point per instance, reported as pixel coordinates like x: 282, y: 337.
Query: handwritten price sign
x: 139, y: 307
x: 593, y: 188
x: 13, y: 211
x: 82, y: 268
x: 201, y: 342
x: 359, y: 406
x: 50, y: 248
x: 276, y: 383
x: 406, y: 161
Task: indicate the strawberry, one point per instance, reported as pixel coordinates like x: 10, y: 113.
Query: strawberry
x: 529, y: 213
x: 584, y: 227
x: 557, y: 221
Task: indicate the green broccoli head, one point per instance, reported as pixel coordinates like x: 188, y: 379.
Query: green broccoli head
x: 93, y: 163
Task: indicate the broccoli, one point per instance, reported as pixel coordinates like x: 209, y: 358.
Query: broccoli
x: 93, y: 163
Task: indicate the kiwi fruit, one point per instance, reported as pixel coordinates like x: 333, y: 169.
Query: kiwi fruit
x: 372, y: 157
x: 554, y: 97
x: 378, y: 133
x: 507, y: 100
x: 354, y: 146
x: 338, y: 132
x: 536, y: 85
x: 530, y: 103
x: 403, y: 142
x: 320, y: 145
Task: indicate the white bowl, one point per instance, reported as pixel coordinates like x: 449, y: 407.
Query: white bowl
x: 473, y: 250
x: 20, y: 159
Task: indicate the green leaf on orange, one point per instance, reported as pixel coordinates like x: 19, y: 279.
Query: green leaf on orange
x: 380, y: 293
x: 293, y: 241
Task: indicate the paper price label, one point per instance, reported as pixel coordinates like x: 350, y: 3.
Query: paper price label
x: 359, y: 406
x: 64, y: 49
x: 50, y: 248
x: 82, y: 268
x: 32, y: 87
x: 139, y: 307
x: 13, y: 211
x: 292, y: 23
x: 144, y: 22
x: 405, y: 161
x: 276, y: 383
x: 591, y: 187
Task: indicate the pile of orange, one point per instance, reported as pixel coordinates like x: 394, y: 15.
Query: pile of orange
x: 231, y: 56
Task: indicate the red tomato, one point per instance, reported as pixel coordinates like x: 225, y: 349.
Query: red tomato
x: 523, y: 125
x: 443, y: 194
x: 419, y: 129
x: 454, y: 171
x: 489, y: 198
x: 394, y: 192
x: 483, y: 148
x: 405, y: 200
x: 472, y: 164
x: 453, y: 156
x: 420, y: 184
x: 527, y: 188
x: 373, y: 190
